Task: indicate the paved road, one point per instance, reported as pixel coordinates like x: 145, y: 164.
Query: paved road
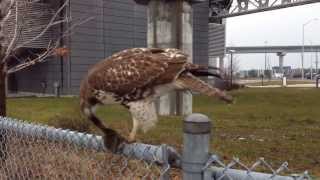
x: 291, y: 85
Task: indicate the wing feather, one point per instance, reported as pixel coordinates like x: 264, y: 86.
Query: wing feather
x: 136, y: 68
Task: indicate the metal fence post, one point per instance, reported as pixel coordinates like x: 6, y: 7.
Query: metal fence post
x: 196, y: 137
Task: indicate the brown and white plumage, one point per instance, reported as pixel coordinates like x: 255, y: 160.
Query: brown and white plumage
x: 135, y: 78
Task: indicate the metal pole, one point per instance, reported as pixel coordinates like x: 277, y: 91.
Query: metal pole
x: 265, y: 58
x: 196, y: 138
x: 317, y: 61
x: 311, y: 59
x: 302, y: 53
x: 311, y: 69
x: 231, y: 70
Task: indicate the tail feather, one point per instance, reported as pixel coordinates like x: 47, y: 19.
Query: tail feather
x: 205, y: 73
x: 112, y: 139
x: 203, y: 70
x: 193, y: 83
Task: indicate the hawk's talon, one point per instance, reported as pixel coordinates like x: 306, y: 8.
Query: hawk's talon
x: 132, y: 138
x: 113, y: 141
x: 229, y: 99
x: 131, y: 141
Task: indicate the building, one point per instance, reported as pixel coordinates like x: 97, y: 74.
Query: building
x: 118, y: 24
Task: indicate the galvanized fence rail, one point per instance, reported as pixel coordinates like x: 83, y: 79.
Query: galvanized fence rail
x: 30, y: 151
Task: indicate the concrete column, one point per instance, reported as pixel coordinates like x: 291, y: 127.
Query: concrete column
x: 214, y: 62
x: 281, y: 58
x: 170, y: 26
x: 221, y: 62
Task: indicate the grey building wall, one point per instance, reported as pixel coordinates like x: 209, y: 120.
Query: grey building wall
x: 54, y: 70
x: 217, y: 40
x: 117, y: 25
x: 29, y: 80
x: 200, y: 33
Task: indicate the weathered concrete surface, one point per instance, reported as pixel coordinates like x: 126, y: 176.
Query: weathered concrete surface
x: 221, y: 62
x: 281, y: 59
x: 170, y: 26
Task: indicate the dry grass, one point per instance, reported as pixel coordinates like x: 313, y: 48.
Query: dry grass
x: 29, y: 158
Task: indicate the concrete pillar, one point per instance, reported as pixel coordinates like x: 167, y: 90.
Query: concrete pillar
x: 214, y: 62
x: 281, y: 58
x: 221, y: 63
x: 284, y: 81
x: 170, y: 26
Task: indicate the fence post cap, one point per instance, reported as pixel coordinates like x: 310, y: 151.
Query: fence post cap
x: 197, y: 124
x: 197, y: 117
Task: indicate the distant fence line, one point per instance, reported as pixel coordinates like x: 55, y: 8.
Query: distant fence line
x: 34, y: 151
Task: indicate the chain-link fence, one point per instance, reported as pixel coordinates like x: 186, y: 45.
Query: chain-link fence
x: 39, y: 152
x: 29, y: 151
x: 199, y: 164
x: 216, y: 169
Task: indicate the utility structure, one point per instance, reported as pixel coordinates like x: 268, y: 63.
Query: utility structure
x: 170, y: 25
x: 221, y: 9
x: 317, y: 62
x: 281, y: 51
x: 302, y: 51
x: 281, y: 59
x: 265, y: 60
x: 231, y: 67
x: 228, y: 8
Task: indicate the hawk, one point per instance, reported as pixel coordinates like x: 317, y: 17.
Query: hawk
x: 136, y: 78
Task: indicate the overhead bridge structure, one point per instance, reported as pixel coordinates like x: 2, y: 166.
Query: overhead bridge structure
x: 272, y: 49
x: 230, y: 8
x: 221, y: 9
x: 281, y: 51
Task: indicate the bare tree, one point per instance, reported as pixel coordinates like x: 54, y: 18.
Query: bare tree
x: 232, y: 68
x: 14, y: 12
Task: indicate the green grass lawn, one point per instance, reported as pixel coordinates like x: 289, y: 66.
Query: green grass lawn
x: 278, y: 124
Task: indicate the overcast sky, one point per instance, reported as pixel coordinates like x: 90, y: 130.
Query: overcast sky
x: 277, y: 27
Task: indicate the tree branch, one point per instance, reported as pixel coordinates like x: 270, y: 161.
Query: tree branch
x: 51, y: 23
x: 52, y: 48
x: 13, y: 40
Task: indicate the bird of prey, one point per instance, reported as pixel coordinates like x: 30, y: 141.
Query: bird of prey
x: 136, y: 78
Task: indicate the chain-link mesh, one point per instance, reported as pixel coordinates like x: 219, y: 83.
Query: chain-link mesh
x: 38, y: 152
x: 29, y: 151
x: 236, y: 170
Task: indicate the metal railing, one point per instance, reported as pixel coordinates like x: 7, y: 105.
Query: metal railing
x: 30, y: 151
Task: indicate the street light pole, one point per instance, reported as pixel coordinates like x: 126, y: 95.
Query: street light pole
x: 302, y: 53
x: 311, y: 67
x: 231, y: 67
x: 265, y: 61
x: 265, y: 57
x: 317, y: 61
